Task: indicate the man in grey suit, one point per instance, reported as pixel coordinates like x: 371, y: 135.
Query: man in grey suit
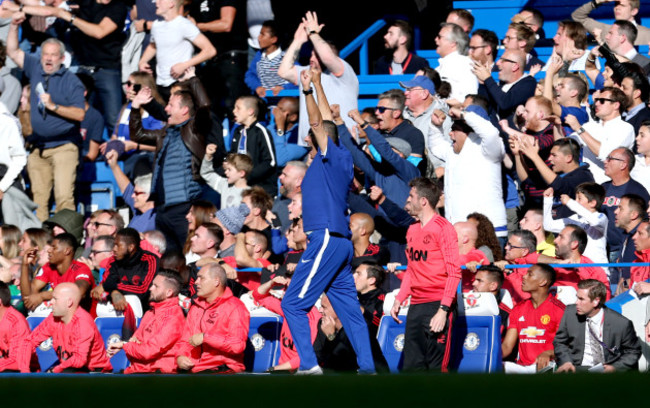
x: 620, y: 39
x: 590, y: 334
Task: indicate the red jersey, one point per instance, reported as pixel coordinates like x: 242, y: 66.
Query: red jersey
x: 640, y: 273
x: 224, y: 324
x: 536, y: 328
x: 251, y: 280
x: 474, y: 255
x: 78, y: 344
x: 76, y: 271
x: 433, y: 271
x: 288, y: 352
x: 161, y: 327
x: 14, y: 329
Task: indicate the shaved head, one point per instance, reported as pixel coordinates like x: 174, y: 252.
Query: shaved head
x: 466, y: 232
x: 65, y: 300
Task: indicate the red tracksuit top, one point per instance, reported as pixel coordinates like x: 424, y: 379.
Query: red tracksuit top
x: 288, y: 352
x: 224, y: 324
x: 640, y: 273
x: 474, y: 255
x: 160, y: 329
x: 14, y: 329
x: 78, y: 344
x: 433, y: 272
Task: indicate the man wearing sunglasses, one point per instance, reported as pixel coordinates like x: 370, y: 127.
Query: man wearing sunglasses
x: 601, y: 138
x: 590, y: 334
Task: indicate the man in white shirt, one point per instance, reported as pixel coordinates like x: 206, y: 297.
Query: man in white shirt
x: 455, y: 66
x: 591, y: 335
x: 600, y: 138
x: 172, y: 43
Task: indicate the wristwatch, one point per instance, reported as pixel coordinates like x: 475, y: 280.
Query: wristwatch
x: 444, y: 308
x: 580, y: 131
x: 280, y: 132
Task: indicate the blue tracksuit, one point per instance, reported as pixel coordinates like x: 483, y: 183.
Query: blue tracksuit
x: 325, y: 264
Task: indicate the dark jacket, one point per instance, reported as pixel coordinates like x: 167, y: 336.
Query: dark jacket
x: 193, y: 133
x: 412, y: 64
x: 261, y: 149
x: 132, y: 275
x: 623, y: 348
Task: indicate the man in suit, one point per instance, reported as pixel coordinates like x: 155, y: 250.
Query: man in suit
x: 621, y: 37
x: 591, y: 334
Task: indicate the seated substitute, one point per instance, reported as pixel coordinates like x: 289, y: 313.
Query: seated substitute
x: 590, y: 334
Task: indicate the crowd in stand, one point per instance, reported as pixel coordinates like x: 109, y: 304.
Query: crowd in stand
x: 307, y: 206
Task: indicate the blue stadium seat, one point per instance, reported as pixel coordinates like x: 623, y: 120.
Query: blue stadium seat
x: 111, y: 330
x: 263, y: 345
x: 99, y: 171
x: 391, y: 340
x: 45, y: 352
x: 476, y: 344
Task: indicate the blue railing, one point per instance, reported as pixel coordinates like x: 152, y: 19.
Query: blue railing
x: 362, y: 42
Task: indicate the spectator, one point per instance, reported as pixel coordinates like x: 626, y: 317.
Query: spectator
x: 462, y: 18
x: 637, y: 89
x: 639, y: 274
x: 250, y: 252
x: 200, y: 212
x: 231, y: 220
x: 514, y: 88
x: 290, y: 181
x: 537, y: 318
x: 150, y: 350
x: 107, y: 222
x: 483, y: 47
x: 362, y: 227
x: 618, y: 165
x: 398, y: 60
x: 262, y: 74
x: 475, y: 144
x: 455, y: 67
x: 130, y: 273
x: 75, y: 338
x: 586, y: 206
x: 568, y: 95
x: 539, y: 133
x: 100, y: 257
x: 260, y: 204
x: 92, y: 127
x: 156, y: 240
x: 24, y: 111
x: 487, y: 240
x: 254, y: 140
x: 630, y: 212
x: 432, y: 276
x: 173, y: 40
x: 57, y: 107
x: 180, y: 147
x: 623, y: 10
x: 224, y: 23
x: 237, y: 167
x: 621, y: 38
x: 590, y: 334
x: 11, y: 93
x: 570, y: 44
x: 136, y: 195
x: 520, y: 245
x: 520, y: 37
x: 467, y: 235
x: 284, y: 129
x: 641, y: 170
x: 534, y: 19
x: 61, y: 268
x: 14, y: 330
x: 339, y: 79
x: 216, y: 329
x: 533, y: 221
x: 205, y: 244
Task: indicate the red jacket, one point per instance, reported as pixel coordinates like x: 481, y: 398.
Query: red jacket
x: 78, y: 344
x: 640, y: 273
x: 474, y: 255
x: 224, y: 324
x: 13, y: 332
x: 160, y: 329
x: 288, y: 351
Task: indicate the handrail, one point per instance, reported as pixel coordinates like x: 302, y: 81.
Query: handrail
x: 362, y: 41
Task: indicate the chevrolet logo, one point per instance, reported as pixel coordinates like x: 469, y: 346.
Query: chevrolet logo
x: 531, y: 331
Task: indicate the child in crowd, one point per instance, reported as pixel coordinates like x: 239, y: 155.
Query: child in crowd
x: 254, y: 140
x: 262, y: 74
x: 236, y: 167
x: 586, y: 206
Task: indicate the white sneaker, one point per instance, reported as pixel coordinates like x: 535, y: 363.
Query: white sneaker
x: 315, y: 370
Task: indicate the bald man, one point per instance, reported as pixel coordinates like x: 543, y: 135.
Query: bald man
x: 362, y: 227
x: 467, y: 236
x: 75, y: 337
x: 216, y: 329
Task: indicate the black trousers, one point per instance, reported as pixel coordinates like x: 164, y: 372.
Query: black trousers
x: 423, y: 349
x: 171, y: 221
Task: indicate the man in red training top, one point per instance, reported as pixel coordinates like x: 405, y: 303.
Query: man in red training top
x: 75, y: 337
x: 13, y: 331
x: 215, y: 333
x: 150, y: 350
x: 432, y: 277
x: 534, y: 322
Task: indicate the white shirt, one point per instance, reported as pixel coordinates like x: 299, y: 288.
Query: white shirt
x: 611, y: 135
x: 12, y: 150
x: 423, y: 123
x: 592, y: 346
x: 173, y: 40
x: 641, y: 171
x: 457, y: 70
x: 473, y: 176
